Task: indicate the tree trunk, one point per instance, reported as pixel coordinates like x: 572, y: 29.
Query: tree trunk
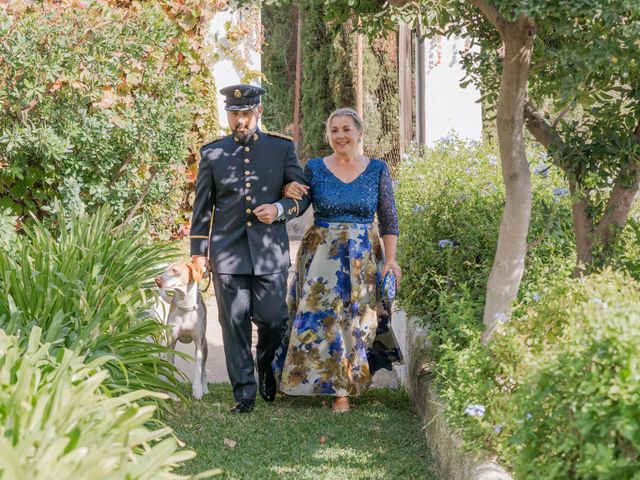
x: 508, y: 266
x: 582, y: 227
x: 404, y: 87
x: 298, y: 81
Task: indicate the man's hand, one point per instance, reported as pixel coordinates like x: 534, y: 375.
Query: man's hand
x: 202, y: 262
x: 266, y: 212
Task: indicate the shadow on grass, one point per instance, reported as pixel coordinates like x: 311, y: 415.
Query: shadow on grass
x: 300, y: 438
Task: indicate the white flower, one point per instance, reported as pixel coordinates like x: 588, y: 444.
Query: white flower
x: 600, y: 302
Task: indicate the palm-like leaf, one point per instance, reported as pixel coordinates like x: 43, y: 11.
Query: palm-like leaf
x: 87, y: 287
x: 55, y: 422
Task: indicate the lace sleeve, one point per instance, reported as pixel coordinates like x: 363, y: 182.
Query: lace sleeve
x: 307, y: 172
x: 387, y: 214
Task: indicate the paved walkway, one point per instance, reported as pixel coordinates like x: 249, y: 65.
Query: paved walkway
x: 216, y: 365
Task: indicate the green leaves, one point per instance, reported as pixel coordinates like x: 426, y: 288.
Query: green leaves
x: 55, y: 421
x: 90, y: 95
x: 579, y: 393
x: 85, y: 287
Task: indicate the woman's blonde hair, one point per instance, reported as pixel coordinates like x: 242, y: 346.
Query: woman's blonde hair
x: 343, y: 112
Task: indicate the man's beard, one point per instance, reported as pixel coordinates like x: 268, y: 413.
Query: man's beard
x: 243, y: 137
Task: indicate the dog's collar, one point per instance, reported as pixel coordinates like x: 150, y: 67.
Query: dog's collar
x: 187, y: 306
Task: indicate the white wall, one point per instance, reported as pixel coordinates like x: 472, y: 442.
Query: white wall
x: 223, y: 68
x: 448, y: 107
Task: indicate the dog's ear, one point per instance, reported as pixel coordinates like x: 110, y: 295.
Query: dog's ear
x: 196, y: 271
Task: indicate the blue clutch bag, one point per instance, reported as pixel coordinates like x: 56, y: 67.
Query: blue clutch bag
x: 388, y: 289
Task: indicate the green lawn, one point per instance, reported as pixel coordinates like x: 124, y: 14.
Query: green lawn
x: 381, y: 438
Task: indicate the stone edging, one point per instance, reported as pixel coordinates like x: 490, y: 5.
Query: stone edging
x: 451, y: 461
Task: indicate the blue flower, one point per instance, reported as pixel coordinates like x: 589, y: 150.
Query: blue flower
x: 501, y: 317
x: 536, y: 297
x: 498, y: 428
x: 560, y: 192
x: 419, y: 208
x: 310, y: 320
x: 343, y: 285
x: 542, y: 170
x: 475, y: 410
x: 445, y: 243
x: 449, y: 138
x: 493, y: 160
x: 326, y: 388
x: 335, y: 347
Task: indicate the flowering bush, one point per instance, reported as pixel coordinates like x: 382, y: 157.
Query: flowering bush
x: 450, y: 201
x: 99, y: 103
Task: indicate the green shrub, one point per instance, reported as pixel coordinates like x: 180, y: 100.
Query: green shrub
x: 55, y: 422
x: 576, y: 412
x: 85, y: 288
x: 450, y: 201
x: 554, y: 395
x: 96, y: 108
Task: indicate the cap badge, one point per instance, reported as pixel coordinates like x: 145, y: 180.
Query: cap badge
x: 236, y: 93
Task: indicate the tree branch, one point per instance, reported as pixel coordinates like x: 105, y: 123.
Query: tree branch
x: 539, y: 128
x: 139, y: 202
x: 621, y: 198
x: 492, y: 14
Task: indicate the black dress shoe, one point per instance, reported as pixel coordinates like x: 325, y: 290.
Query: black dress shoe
x: 243, y: 406
x: 267, y: 385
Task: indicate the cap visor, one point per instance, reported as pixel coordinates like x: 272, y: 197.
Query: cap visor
x: 238, y: 108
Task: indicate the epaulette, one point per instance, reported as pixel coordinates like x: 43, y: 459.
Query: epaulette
x: 280, y: 135
x: 212, y: 140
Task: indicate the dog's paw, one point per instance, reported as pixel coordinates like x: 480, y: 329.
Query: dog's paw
x: 197, y: 391
x: 205, y: 388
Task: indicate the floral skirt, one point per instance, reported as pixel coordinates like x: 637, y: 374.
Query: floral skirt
x: 339, y: 333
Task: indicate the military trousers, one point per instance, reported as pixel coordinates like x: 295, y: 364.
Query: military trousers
x: 243, y: 299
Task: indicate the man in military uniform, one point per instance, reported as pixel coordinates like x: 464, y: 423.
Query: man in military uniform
x: 238, y: 222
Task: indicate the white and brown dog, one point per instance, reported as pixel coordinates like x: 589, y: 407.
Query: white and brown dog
x: 187, y: 317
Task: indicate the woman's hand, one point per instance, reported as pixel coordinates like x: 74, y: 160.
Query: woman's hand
x: 391, y: 265
x: 295, y: 190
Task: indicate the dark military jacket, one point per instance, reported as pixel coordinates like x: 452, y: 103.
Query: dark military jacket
x: 233, y: 179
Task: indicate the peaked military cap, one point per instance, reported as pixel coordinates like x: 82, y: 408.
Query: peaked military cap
x: 242, y: 96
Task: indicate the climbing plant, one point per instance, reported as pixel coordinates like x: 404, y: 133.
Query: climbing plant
x: 101, y: 103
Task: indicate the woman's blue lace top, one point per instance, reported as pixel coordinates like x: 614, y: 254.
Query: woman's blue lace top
x: 356, y: 201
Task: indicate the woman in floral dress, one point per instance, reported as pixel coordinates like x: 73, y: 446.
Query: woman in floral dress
x: 339, y: 331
